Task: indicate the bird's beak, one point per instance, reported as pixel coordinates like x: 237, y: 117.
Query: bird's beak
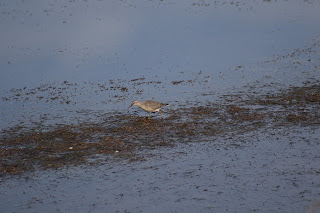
x: 130, y: 106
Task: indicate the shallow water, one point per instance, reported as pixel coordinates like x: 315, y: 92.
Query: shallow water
x: 81, y: 56
x: 270, y: 171
x: 104, y: 42
x: 229, y: 65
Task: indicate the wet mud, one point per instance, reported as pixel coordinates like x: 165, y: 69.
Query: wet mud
x: 125, y: 136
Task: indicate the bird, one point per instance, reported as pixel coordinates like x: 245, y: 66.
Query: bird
x: 149, y: 106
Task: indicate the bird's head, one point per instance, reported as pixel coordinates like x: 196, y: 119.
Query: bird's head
x: 135, y: 102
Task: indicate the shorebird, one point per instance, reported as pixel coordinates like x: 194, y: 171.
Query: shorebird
x: 149, y: 106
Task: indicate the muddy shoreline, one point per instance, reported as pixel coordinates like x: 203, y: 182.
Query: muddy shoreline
x: 24, y: 149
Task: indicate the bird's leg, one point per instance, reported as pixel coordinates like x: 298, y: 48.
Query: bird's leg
x: 160, y: 113
x: 149, y: 115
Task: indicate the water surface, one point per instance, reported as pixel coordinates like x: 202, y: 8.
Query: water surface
x: 233, y: 74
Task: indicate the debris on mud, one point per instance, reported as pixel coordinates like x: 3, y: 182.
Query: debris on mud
x: 24, y: 148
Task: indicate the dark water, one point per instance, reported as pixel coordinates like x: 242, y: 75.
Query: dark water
x: 67, y: 62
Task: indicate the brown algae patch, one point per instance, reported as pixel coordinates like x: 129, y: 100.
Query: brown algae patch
x: 123, y: 136
x: 298, y: 105
x: 296, y: 96
x: 55, y: 148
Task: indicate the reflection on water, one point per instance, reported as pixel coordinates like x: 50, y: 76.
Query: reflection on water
x: 83, y: 62
x: 213, y: 47
x: 102, y: 40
